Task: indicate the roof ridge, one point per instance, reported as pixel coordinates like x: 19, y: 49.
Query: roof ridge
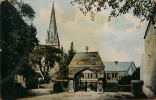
x: 118, y: 62
x: 87, y: 52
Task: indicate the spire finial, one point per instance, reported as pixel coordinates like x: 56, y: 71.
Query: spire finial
x: 53, y: 5
x: 87, y: 48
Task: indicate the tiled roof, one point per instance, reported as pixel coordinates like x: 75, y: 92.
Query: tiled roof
x: 86, y: 59
x: 120, y: 66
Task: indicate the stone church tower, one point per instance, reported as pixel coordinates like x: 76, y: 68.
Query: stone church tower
x: 52, y: 38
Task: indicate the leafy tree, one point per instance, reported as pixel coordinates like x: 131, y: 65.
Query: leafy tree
x: 71, y: 53
x: 17, y: 40
x: 143, y: 9
x: 25, y: 10
x: 45, y: 57
x: 136, y: 74
x: 126, y: 80
x: 63, y: 71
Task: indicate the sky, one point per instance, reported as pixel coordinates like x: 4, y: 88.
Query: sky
x: 115, y: 40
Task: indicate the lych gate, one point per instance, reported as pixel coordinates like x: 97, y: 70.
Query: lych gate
x: 86, y: 72
x: 86, y: 80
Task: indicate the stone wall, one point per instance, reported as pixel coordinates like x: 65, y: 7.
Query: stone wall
x: 111, y: 86
x: 149, y: 63
x: 136, y: 86
x: 20, y: 79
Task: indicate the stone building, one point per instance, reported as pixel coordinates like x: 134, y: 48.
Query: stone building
x: 86, y: 72
x: 116, y: 70
x: 52, y: 38
x: 148, y: 66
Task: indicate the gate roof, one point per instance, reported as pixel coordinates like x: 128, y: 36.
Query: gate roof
x: 86, y: 59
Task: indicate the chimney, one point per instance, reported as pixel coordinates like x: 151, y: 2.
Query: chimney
x: 116, y: 62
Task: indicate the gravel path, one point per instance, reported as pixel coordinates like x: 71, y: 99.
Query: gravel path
x: 82, y: 95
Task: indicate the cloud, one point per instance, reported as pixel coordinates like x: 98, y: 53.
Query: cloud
x: 118, y: 39
x: 44, y: 14
x: 139, y: 49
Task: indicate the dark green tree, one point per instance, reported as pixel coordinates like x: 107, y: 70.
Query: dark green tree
x: 71, y: 54
x: 126, y: 80
x: 143, y: 9
x: 63, y: 71
x: 136, y: 74
x: 45, y: 58
x: 17, y: 40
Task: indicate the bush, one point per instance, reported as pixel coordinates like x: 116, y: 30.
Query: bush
x: 126, y: 80
x: 32, y: 83
x: 58, y: 87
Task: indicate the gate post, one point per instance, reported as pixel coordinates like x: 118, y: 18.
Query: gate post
x: 100, y: 86
x: 71, y: 86
x: 86, y: 86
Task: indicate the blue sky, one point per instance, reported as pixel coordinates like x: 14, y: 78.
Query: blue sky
x: 117, y: 40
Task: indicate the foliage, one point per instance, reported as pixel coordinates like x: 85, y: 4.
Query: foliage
x: 136, y: 74
x: 63, y: 71
x: 143, y: 9
x: 32, y: 83
x: 44, y: 57
x: 79, y: 76
x: 126, y: 80
x: 56, y: 89
x: 24, y: 9
x: 71, y: 53
x: 17, y: 40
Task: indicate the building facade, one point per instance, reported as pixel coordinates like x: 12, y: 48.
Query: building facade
x: 86, y: 72
x: 52, y: 38
x: 116, y: 70
x: 148, y: 67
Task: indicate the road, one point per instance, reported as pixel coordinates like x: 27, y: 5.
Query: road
x: 82, y: 95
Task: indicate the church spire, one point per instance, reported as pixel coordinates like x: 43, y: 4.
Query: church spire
x: 52, y: 35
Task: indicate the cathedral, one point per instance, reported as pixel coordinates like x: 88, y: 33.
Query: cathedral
x: 52, y: 38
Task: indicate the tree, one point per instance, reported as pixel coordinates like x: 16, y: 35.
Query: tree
x: 136, y: 74
x: 143, y: 9
x: 17, y: 40
x: 126, y: 80
x: 71, y: 53
x: 63, y: 71
x: 45, y: 58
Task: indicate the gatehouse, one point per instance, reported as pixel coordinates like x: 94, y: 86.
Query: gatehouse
x: 86, y: 72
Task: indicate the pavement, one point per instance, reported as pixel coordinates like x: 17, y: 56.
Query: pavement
x: 82, y: 95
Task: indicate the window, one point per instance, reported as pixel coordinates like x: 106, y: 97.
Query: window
x: 116, y: 75
x: 86, y: 75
